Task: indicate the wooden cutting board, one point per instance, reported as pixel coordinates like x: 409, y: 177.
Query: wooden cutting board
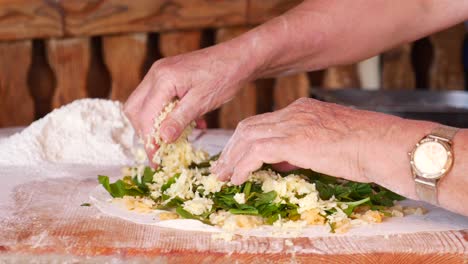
x: 45, y: 222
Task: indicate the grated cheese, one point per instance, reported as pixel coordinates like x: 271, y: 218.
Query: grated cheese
x: 182, y: 186
x: 239, y: 198
x: 198, y: 205
x: 177, y: 155
x: 211, y: 184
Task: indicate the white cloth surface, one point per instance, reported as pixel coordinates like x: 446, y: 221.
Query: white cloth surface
x: 436, y: 219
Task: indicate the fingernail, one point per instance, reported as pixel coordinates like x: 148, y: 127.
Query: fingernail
x: 223, y: 180
x: 220, y: 177
x: 168, y: 133
x: 235, y: 180
x: 222, y: 174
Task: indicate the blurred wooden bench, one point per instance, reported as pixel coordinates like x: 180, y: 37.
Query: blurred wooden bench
x: 53, y: 52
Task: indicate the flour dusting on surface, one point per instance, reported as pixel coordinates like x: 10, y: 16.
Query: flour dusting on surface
x: 87, y: 131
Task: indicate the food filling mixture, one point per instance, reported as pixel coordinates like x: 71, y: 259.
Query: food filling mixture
x: 183, y: 187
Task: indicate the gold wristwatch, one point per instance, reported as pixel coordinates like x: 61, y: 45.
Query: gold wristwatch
x: 431, y: 159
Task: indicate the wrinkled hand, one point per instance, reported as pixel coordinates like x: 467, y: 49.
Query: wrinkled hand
x: 202, y: 80
x: 324, y: 137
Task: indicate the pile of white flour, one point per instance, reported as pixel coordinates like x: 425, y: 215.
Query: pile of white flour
x: 88, y: 131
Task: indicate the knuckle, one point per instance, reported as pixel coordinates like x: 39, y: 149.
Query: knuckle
x: 260, y: 145
x: 263, y: 117
x: 247, y: 130
x: 248, y: 133
x: 172, y: 120
x: 248, y: 121
x: 129, y: 112
x: 257, y: 147
x: 126, y: 109
x: 183, y: 115
x: 162, y: 70
x: 304, y: 101
x: 242, y: 125
x: 157, y: 65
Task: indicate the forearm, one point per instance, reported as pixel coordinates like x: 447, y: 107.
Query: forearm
x: 389, y: 163
x: 320, y: 33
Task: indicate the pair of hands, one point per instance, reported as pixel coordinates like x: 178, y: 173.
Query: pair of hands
x: 356, y: 145
x: 325, y: 137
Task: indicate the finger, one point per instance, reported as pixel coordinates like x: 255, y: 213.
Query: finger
x: 150, y: 107
x: 138, y: 95
x: 132, y: 109
x: 148, y: 118
x: 219, y: 163
x: 239, y: 137
x: 135, y: 101
x: 262, y: 151
x: 241, y: 142
x: 150, y: 150
x: 153, y: 105
x: 186, y: 110
x: 222, y: 166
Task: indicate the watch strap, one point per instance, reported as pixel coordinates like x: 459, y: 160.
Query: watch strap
x: 427, y: 190
x: 445, y: 132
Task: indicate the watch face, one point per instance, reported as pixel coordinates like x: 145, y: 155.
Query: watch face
x: 431, y: 158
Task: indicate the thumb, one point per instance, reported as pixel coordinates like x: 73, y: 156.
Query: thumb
x: 186, y: 110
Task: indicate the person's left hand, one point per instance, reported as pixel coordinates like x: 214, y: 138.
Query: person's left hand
x: 324, y: 137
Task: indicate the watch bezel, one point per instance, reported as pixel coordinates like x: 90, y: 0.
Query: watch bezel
x: 448, y: 148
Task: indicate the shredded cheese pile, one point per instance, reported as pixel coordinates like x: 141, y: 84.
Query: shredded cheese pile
x: 178, y: 155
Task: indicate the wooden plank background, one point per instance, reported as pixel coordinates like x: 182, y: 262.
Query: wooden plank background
x: 53, y: 52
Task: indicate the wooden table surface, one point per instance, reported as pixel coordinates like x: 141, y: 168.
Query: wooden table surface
x: 45, y: 222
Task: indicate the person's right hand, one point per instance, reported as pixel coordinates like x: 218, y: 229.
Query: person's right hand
x: 201, y: 80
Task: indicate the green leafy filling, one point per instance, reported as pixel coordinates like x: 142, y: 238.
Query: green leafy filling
x: 348, y: 194
x: 129, y: 186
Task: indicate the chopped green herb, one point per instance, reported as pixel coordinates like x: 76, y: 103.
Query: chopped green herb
x: 244, y: 211
x: 184, y: 213
x: 246, y: 188
x: 120, y: 188
x: 205, y: 164
x: 352, y: 205
x: 174, y: 202
x: 265, y: 198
